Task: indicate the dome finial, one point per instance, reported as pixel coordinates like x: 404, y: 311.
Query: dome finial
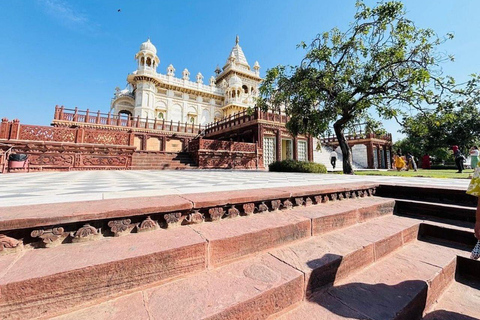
x: 237, y: 39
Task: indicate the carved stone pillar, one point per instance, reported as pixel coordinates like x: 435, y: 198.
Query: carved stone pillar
x: 310, y: 148
x: 370, y: 155
x: 384, y: 148
x: 279, y: 145
x: 144, y: 141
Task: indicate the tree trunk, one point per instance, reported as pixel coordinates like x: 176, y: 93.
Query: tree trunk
x: 346, y: 152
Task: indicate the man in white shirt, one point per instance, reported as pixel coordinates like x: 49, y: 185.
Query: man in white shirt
x: 333, y: 158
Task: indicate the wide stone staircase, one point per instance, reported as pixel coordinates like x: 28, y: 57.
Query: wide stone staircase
x: 148, y: 160
x: 313, y: 252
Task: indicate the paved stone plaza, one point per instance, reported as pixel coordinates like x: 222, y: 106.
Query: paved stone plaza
x: 49, y: 187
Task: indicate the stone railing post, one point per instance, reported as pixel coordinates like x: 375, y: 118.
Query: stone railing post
x: 87, y: 116
x: 75, y: 115
x: 15, y: 129
x: 4, y: 129
x: 108, y: 118
x: 60, y: 115
x: 56, y: 114
x: 97, y: 121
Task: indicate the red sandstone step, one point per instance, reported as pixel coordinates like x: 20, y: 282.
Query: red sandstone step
x: 460, y: 301
x: 399, y: 286
x: 230, y: 239
x: 328, y: 258
x: 248, y: 289
x: 44, y: 281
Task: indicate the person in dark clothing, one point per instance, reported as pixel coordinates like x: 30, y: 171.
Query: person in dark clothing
x: 459, y: 159
x: 411, y: 162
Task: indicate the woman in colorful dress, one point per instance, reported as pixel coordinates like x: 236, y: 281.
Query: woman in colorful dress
x: 474, y: 190
x: 474, y: 153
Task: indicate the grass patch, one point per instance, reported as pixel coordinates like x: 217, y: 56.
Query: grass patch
x: 445, y: 174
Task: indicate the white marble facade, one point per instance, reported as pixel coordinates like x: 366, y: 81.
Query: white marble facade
x: 187, y: 98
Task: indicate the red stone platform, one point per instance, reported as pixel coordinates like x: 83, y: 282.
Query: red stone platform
x: 317, y: 252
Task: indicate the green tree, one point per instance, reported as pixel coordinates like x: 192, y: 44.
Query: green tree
x: 383, y: 62
x: 434, y: 132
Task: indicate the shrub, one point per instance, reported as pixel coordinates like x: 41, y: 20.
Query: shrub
x: 297, y: 166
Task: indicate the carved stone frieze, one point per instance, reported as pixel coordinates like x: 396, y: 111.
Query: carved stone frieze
x: 147, y: 225
x: 262, y: 207
x: 121, y: 227
x: 333, y: 196
x: 173, y: 219
x: 86, y: 233
x: 233, y: 212
x: 287, y: 204
x: 318, y: 199
x: 195, y: 217
x: 308, y: 202
x: 276, y: 204
x: 50, y: 237
x: 9, y: 245
x: 340, y: 196
x: 249, y: 208
x: 216, y: 213
x: 299, y: 201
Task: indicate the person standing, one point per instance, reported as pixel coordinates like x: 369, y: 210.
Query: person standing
x: 426, y: 161
x: 474, y: 153
x: 459, y: 158
x: 333, y: 158
x: 411, y: 162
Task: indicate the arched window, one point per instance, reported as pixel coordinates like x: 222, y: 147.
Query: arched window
x: 245, y: 89
x: 149, y: 61
x: 143, y: 61
x: 128, y: 113
x: 161, y: 116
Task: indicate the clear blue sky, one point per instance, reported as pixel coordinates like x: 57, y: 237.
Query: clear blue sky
x: 74, y: 53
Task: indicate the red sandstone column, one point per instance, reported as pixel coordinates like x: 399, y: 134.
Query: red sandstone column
x: 279, y: 146
x: 310, y: 148
x: 370, y: 155
x: 79, y: 136
x: 144, y: 141
x: 384, y: 148
x: 131, y: 139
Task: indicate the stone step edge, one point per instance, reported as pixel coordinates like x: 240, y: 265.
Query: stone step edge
x: 43, y: 224
x: 437, y: 210
x: 227, y: 246
x: 351, y: 263
x: 283, y: 294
